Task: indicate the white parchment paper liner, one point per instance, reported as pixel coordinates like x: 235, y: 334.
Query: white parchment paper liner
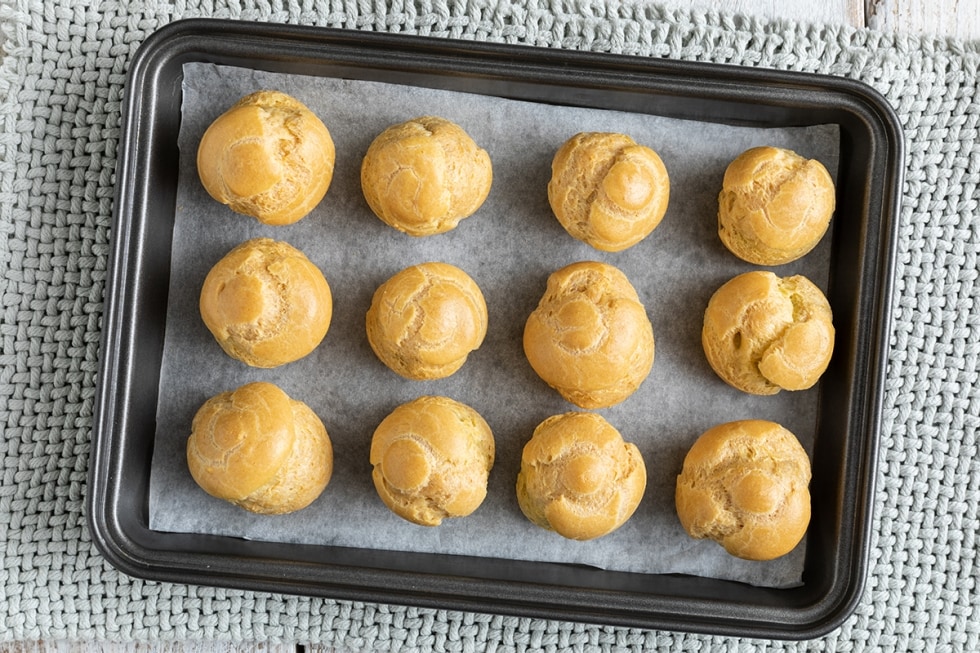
x: 509, y: 247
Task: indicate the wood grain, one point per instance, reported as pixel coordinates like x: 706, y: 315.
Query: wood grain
x: 958, y: 19
x: 952, y: 18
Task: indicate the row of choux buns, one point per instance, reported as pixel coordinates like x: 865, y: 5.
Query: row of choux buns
x: 267, y: 304
x: 589, y: 337
x: 743, y: 484
x: 270, y: 157
x: 431, y: 459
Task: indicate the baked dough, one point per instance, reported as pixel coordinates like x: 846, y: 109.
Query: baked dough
x: 259, y: 449
x: 763, y: 333
x: 266, y: 304
x: 425, y: 175
x: 608, y: 191
x: 431, y: 459
x: 425, y: 320
x: 268, y: 156
x: 590, y: 337
x: 578, y: 477
x: 745, y: 485
x: 774, y: 205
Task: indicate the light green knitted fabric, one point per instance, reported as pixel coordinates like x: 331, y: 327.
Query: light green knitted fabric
x: 61, y: 83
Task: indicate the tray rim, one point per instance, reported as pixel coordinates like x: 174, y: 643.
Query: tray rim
x: 131, y: 553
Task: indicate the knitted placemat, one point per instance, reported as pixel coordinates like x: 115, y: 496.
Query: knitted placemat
x: 61, y: 83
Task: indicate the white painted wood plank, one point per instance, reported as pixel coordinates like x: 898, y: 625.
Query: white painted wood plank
x: 958, y: 19
x: 945, y: 18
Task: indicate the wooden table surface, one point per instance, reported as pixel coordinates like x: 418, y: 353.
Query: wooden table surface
x: 943, y: 18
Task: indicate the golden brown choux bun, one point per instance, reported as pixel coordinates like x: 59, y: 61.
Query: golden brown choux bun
x: 268, y: 156
x: 589, y: 337
x: 774, y: 205
x: 259, y: 449
x: 432, y: 458
x: 608, y: 191
x: 425, y: 175
x: 763, y: 333
x: 425, y: 320
x: 578, y: 477
x: 745, y: 485
x: 266, y: 304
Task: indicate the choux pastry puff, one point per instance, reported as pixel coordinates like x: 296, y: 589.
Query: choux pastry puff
x: 745, y: 484
x: 266, y: 304
x: 590, y: 337
x: 431, y: 460
x: 774, y: 206
x: 578, y: 477
x: 425, y: 320
x: 424, y: 175
x: 608, y: 191
x: 259, y: 449
x: 763, y: 333
x: 268, y: 157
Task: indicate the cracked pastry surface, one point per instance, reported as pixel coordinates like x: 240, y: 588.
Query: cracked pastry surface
x: 578, y: 476
x: 608, y: 191
x: 431, y: 459
x: 425, y: 320
x: 745, y: 485
x: 266, y: 304
x: 424, y: 175
x: 589, y: 337
x: 268, y: 156
x: 774, y: 206
x: 763, y: 333
x: 259, y: 449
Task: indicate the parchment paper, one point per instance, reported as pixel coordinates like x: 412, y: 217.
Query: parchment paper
x: 509, y: 247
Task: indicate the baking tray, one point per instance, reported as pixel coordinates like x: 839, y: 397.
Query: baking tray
x: 844, y: 452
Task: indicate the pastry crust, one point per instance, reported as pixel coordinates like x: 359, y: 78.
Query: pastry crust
x: 266, y: 304
x: 745, y: 484
x: 425, y: 175
x: 431, y: 460
x: 774, y: 205
x: 590, y: 337
x: 268, y: 156
x: 578, y: 477
x: 608, y: 191
x: 259, y: 449
x: 425, y: 320
x: 763, y: 333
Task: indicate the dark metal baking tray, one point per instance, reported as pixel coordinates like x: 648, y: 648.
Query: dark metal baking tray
x: 845, y: 448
